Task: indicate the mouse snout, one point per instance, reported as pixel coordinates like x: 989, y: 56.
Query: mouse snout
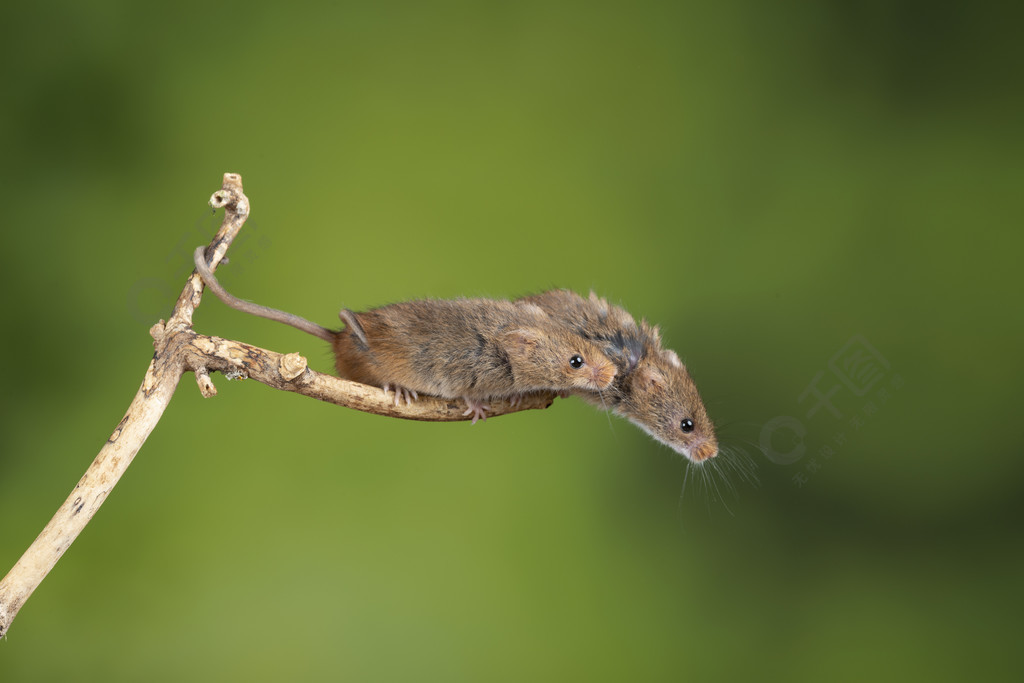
x: 705, y: 450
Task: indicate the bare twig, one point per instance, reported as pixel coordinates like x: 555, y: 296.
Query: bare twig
x: 179, y: 349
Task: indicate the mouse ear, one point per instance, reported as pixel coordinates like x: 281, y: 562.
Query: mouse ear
x: 652, y: 331
x: 672, y: 358
x: 524, y: 338
x: 648, y: 378
x: 601, y: 304
x: 532, y: 308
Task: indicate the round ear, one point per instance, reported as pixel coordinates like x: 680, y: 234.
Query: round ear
x: 622, y: 318
x: 523, y: 338
x: 653, y: 330
x: 602, y: 305
x: 533, y: 309
x: 649, y: 378
x: 672, y: 358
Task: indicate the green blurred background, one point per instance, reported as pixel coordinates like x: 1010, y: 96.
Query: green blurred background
x: 768, y: 181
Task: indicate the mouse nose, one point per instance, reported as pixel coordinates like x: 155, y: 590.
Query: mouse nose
x: 704, y: 451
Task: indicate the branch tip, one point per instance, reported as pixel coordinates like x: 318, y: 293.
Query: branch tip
x: 206, y: 387
x: 161, y: 379
x: 220, y: 199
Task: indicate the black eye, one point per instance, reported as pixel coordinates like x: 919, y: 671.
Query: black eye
x: 686, y: 425
x: 576, y: 361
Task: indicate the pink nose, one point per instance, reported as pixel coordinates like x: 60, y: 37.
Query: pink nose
x: 704, y: 451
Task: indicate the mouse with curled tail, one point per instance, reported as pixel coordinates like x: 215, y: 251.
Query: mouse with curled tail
x: 652, y: 388
x: 474, y: 349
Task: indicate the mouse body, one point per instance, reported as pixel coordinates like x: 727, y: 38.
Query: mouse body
x: 482, y: 349
x: 475, y: 349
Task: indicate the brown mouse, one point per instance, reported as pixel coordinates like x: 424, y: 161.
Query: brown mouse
x: 471, y: 348
x: 652, y: 387
x: 474, y: 349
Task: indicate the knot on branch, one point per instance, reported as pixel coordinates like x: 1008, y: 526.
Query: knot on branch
x: 291, y: 366
x: 157, y: 332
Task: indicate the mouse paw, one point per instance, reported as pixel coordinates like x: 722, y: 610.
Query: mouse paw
x: 477, y: 409
x: 409, y: 395
x: 516, y: 400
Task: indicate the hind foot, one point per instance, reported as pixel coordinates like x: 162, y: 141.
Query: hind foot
x: 476, y: 408
x: 401, y: 392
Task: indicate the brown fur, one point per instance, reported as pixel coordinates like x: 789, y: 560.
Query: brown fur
x: 471, y: 348
x: 479, y: 349
x: 652, y: 388
x: 476, y: 349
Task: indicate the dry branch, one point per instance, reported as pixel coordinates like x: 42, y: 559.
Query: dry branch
x: 179, y: 349
x: 288, y: 372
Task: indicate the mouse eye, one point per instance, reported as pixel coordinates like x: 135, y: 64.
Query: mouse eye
x: 576, y: 361
x: 686, y: 425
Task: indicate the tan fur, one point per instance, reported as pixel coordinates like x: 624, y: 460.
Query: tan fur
x: 652, y: 387
x: 476, y: 349
x: 480, y: 349
x: 471, y: 348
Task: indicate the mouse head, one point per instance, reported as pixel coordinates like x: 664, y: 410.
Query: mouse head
x: 550, y: 359
x: 664, y: 402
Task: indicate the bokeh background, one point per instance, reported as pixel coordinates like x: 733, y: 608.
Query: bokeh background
x: 807, y: 196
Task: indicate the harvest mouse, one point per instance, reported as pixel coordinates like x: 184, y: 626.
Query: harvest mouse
x: 652, y: 387
x: 474, y: 349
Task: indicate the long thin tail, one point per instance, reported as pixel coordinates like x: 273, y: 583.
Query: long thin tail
x: 255, y: 309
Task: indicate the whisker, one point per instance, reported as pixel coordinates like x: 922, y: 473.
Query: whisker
x: 604, y: 408
x: 715, y: 480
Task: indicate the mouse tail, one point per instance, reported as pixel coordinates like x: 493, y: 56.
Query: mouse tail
x: 255, y: 309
